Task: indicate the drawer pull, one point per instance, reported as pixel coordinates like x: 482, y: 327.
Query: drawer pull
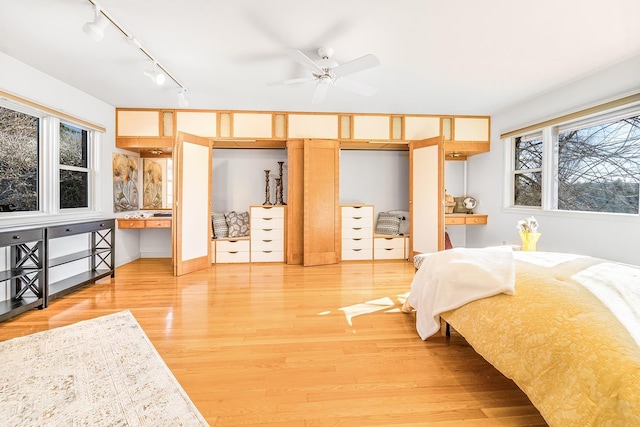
x: 67, y: 230
x: 356, y: 250
x: 101, y: 225
x: 267, y: 252
x: 357, y: 228
x: 233, y: 252
x: 267, y: 219
x: 357, y: 238
x: 16, y: 237
x: 267, y: 229
x: 357, y: 217
x: 267, y: 241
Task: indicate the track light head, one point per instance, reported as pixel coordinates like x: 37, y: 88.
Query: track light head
x: 156, y: 76
x: 95, y: 29
x: 182, y: 98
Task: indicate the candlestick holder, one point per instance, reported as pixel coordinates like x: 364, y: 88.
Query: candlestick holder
x: 267, y: 195
x: 280, y: 191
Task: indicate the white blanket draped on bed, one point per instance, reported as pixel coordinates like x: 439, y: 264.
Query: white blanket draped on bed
x: 452, y: 278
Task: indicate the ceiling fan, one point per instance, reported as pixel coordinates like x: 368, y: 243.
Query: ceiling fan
x: 326, y: 72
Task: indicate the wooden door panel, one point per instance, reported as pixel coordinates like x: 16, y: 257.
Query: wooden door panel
x: 321, y: 202
x: 191, y: 231
x: 426, y: 182
x: 295, y: 202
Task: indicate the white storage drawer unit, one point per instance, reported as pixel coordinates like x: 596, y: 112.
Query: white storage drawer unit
x: 232, y: 250
x: 357, y: 232
x: 267, y: 233
x: 389, y: 247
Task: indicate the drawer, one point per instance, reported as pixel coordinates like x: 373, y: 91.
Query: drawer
x: 357, y: 222
x: 357, y: 233
x: 83, y: 227
x: 267, y: 245
x: 356, y: 254
x: 388, y: 253
x: 267, y: 234
x: 357, y: 244
x: 10, y: 238
x: 476, y: 220
x: 389, y: 243
x: 232, y: 245
x: 157, y: 223
x: 267, y: 212
x: 267, y: 256
x: 267, y: 222
x: 456, y: 220
x: 230, y: 257
x: 357, y: 211
x: 130, y: 223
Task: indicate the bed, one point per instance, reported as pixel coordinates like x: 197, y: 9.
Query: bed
x: 565, y: 328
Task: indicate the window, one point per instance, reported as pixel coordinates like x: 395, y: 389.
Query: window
x: 74, y: 171
x: 45, y: 164
x: 528, y: 171
x: 19, y: 161
x: 591, y: 166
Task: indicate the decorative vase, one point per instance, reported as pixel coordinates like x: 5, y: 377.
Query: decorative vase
x: 529, y: 240
x: 279, y: 192
x: 267, y: 195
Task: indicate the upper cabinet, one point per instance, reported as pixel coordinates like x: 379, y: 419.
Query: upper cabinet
x: 465, y: 136
x: 152, y: 131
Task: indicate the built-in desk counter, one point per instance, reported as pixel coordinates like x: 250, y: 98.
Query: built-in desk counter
x: 465, y: 219
x: 152, y: 222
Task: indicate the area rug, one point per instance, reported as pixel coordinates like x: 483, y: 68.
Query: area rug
x: 98, y: 372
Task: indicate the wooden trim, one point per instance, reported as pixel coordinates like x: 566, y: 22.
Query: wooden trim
x: 52, y: 111
x: 621, y: 102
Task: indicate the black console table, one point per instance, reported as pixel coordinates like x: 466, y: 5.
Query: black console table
x: 25, y: 272
x: 31, y: 262
x: 101, y: 255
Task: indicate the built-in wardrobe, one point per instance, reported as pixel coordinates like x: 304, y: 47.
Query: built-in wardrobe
x: 313, y: 142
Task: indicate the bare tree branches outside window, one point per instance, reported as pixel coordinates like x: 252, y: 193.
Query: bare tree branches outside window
x: 599, y: 167
x: 19, y: 141
x: 528, y: 176
x: 74, y: 172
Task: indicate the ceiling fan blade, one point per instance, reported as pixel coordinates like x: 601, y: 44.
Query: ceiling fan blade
x: 355, y: 86
x: 303, y: 59
x: 320, y: 93
x: 291, y: 81
x: 358, y: 64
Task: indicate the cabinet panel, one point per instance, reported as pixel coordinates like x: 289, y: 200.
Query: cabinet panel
x: 252, y: 125
x: 421, y: 127
x: 371, y: 127
x: 388, y: 253
x: 198, y: 123
x: 471, y: 129
x: 356, y: 254
x: 138, y: 123
x: 313, y: 126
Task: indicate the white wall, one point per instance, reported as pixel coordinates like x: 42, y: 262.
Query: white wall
x: 375, y: 177
x: 24, y: 81
x: 613, y: 237
x: 239, y: 177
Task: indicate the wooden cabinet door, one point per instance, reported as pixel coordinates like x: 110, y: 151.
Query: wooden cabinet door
x: 295, y: 202
x: 426, y: 184
x: 321, y: 235
x: 191, y: 231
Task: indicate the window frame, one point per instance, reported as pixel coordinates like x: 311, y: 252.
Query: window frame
x: 49, y: 170
x: 549, y: 171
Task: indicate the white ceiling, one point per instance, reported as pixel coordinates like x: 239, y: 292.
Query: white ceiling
x: 438, y: 56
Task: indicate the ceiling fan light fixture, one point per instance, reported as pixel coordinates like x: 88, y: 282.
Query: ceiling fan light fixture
x: 95, y: 29
x: 156, y: 76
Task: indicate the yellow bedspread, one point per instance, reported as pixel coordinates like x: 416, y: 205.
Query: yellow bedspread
x: 560, y: 344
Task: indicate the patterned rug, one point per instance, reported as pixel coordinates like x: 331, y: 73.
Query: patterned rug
x: 98, y: 372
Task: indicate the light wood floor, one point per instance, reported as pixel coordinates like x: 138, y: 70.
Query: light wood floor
x: 279, y: 345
